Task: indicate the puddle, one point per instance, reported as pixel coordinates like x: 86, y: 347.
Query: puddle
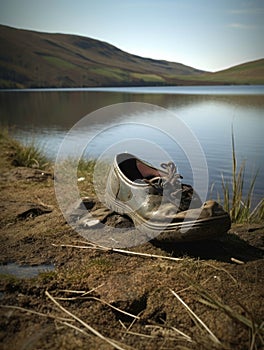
x: 24, y: 271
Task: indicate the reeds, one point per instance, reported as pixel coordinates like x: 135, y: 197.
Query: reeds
x: 86, y: 167
x: 235, y: 202
x: 28, y: 155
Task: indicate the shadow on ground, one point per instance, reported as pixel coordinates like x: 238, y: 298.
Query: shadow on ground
x: 229, y: 247
x: 242, y: 243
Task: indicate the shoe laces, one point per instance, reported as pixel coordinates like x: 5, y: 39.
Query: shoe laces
x: 168, y: 184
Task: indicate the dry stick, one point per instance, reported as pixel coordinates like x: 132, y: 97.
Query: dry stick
x: 80, y: 330
x: 185, y: 336
x: 91, y: 329
x: 35, y: 312
x: 82, y: 292
x: 131, y: 324
x: 122, y: 324
x: 196, y: 317
x: 115, y: 308
x: 176, y: 330
x: 101, y: 301
x: 72, y: 291
x: 116, y: 250
x: 239, y: 262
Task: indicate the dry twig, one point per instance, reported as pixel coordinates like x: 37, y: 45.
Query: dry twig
x: 193, y: 314
x: 87, y: 326
x: 101, y: 301
x: 34, y: 312
x: 116, y: 250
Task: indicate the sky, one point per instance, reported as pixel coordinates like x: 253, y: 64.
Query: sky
x: 206, y: 34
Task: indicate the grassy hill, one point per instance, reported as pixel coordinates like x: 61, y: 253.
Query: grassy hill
x: 246, y: 73
x: 33, y: 59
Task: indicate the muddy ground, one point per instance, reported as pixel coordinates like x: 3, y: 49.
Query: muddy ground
x: 220, y: 281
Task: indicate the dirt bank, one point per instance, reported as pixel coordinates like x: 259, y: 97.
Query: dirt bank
x: 134, y: 302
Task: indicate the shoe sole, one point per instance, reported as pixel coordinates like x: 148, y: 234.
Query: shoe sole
x: 200, y: 229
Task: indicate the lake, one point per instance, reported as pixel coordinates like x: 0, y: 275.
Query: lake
x: 190, y: 125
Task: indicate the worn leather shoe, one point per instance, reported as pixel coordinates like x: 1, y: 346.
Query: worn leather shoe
x: 159, y: 204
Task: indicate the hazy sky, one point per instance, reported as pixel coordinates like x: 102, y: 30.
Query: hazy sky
x: 205, y: 34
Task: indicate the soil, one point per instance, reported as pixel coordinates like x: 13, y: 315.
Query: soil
x: 221, y: 281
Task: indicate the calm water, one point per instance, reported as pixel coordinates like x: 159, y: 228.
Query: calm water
x: 25, y: 271
x: 208, y: 112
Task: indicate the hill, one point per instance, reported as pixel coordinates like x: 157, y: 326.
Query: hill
x: 246, y: 73
x: 32, y: 59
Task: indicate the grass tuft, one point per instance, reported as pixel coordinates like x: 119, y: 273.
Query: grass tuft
x: 28, y: 155
x: 245, y: 317
x: 238, y: 205
x: 85, y: 167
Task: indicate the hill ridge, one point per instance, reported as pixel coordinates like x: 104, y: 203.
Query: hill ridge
x: 31, y: 59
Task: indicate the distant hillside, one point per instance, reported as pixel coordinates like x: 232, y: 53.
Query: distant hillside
x: 34, y: 59
x: 246, y: 73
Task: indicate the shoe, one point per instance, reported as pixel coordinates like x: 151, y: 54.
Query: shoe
x: 159, y: 204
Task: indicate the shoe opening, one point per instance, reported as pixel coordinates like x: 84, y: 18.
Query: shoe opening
x: 135, y: 169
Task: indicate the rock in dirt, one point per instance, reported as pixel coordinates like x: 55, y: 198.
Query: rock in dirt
x: 31, y: 210
x: 89, y: 212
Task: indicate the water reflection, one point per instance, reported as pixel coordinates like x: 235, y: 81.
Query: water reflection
x: 63, y: 109
x: 210, y: 113
x: 24, y: 271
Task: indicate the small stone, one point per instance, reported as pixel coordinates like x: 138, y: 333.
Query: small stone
x: 80, y: 179
x: 90, y: 222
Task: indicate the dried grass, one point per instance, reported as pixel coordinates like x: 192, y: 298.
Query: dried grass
x: 235, y: 202
x: 89, y: 245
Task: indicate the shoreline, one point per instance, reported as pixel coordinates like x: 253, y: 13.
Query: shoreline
x: 121, y: 87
